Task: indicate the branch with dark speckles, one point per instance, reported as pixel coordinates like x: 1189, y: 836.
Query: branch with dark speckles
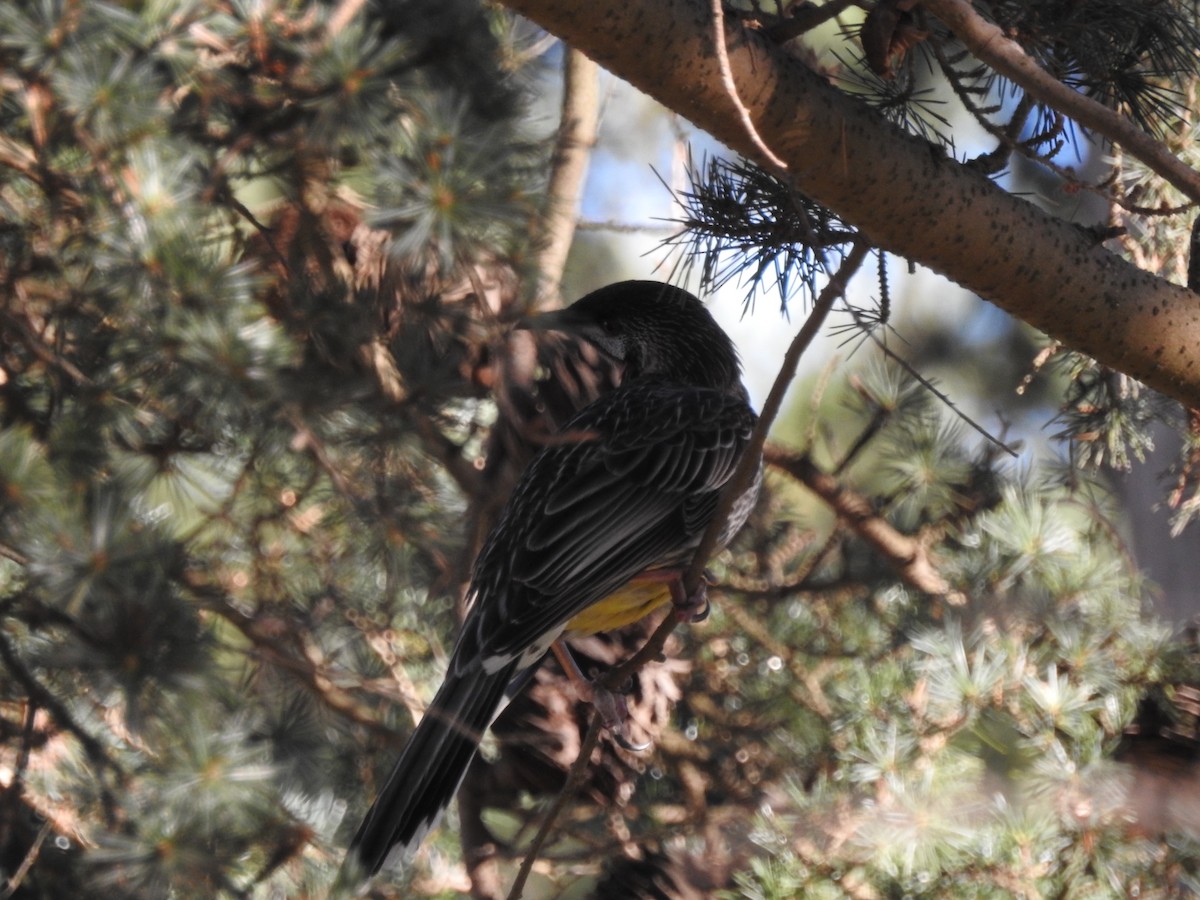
x: 900, y: 191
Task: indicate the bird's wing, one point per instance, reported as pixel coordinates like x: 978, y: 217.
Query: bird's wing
x: 634, y: 492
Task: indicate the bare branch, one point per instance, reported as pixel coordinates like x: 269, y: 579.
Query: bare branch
x: 907, y: 555
x: 31, y: 855
x: 572, y: 151
x: 575, y: 779
x: 718, y: 9
x: 829, y: 296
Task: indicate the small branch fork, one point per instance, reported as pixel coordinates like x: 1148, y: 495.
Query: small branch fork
x: 718, y: 10
x: 742, y: 478
x: 907, y: 554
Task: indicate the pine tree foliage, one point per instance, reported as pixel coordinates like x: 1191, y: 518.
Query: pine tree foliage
x: 256, y: 261
x: 740, y: 223
x: 215, y: 499
x: 955, y: 750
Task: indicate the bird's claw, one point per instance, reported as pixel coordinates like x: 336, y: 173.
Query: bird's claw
x: 611, y: 707
x: 702, y: 613
x: 626, y: 744
x: 694, y: 608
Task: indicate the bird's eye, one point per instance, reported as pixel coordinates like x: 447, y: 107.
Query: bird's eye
x: 610, y: 326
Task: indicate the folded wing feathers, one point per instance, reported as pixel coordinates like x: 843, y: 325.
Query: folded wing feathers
x: 636, y: 493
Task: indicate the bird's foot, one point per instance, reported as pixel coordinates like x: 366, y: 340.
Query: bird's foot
x: 611, y: 707
x: 694, y: 607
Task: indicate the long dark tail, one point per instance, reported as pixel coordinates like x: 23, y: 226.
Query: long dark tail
x: 429, y: 770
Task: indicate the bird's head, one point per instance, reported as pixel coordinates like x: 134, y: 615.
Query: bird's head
x: 650, y: 329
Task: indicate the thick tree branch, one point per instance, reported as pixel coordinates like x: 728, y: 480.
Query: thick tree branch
x: 903, y: 193
x: 990, y: 45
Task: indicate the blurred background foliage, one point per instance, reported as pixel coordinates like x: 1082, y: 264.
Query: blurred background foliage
x: 259, y: 260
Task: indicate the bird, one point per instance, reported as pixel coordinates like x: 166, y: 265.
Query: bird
x: 596, y: 534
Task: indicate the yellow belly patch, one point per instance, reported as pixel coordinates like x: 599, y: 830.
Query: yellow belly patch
x: 631, y: 603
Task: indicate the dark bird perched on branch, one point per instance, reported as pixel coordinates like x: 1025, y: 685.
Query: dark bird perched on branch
x: 597, y: 533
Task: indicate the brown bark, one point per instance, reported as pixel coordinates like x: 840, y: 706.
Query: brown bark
x: 572, y: 152
x: 904, y: 194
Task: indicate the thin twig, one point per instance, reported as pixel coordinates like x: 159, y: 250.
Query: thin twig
x: 574, y: 780
x: 27, y: 863
x: 731, y: 88
x: 519, y: 59
x: 990, y: 45
x: 803, y: 18
x: 307, y: 439
x: 626, y: 227
x: 781, y: 586
x: 34, y: 343
x: 925, y: 382
x: 741, y: 480
x: 448, y: 453
x: 263, y: 231
x: 942, y: 396
x: 829, y: 296
x: 13, y: 554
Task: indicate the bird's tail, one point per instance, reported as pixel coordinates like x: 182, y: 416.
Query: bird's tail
x: 429, y: 770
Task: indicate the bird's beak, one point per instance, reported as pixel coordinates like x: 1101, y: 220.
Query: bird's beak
x: 579, y: 327
x: 551, y: 320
